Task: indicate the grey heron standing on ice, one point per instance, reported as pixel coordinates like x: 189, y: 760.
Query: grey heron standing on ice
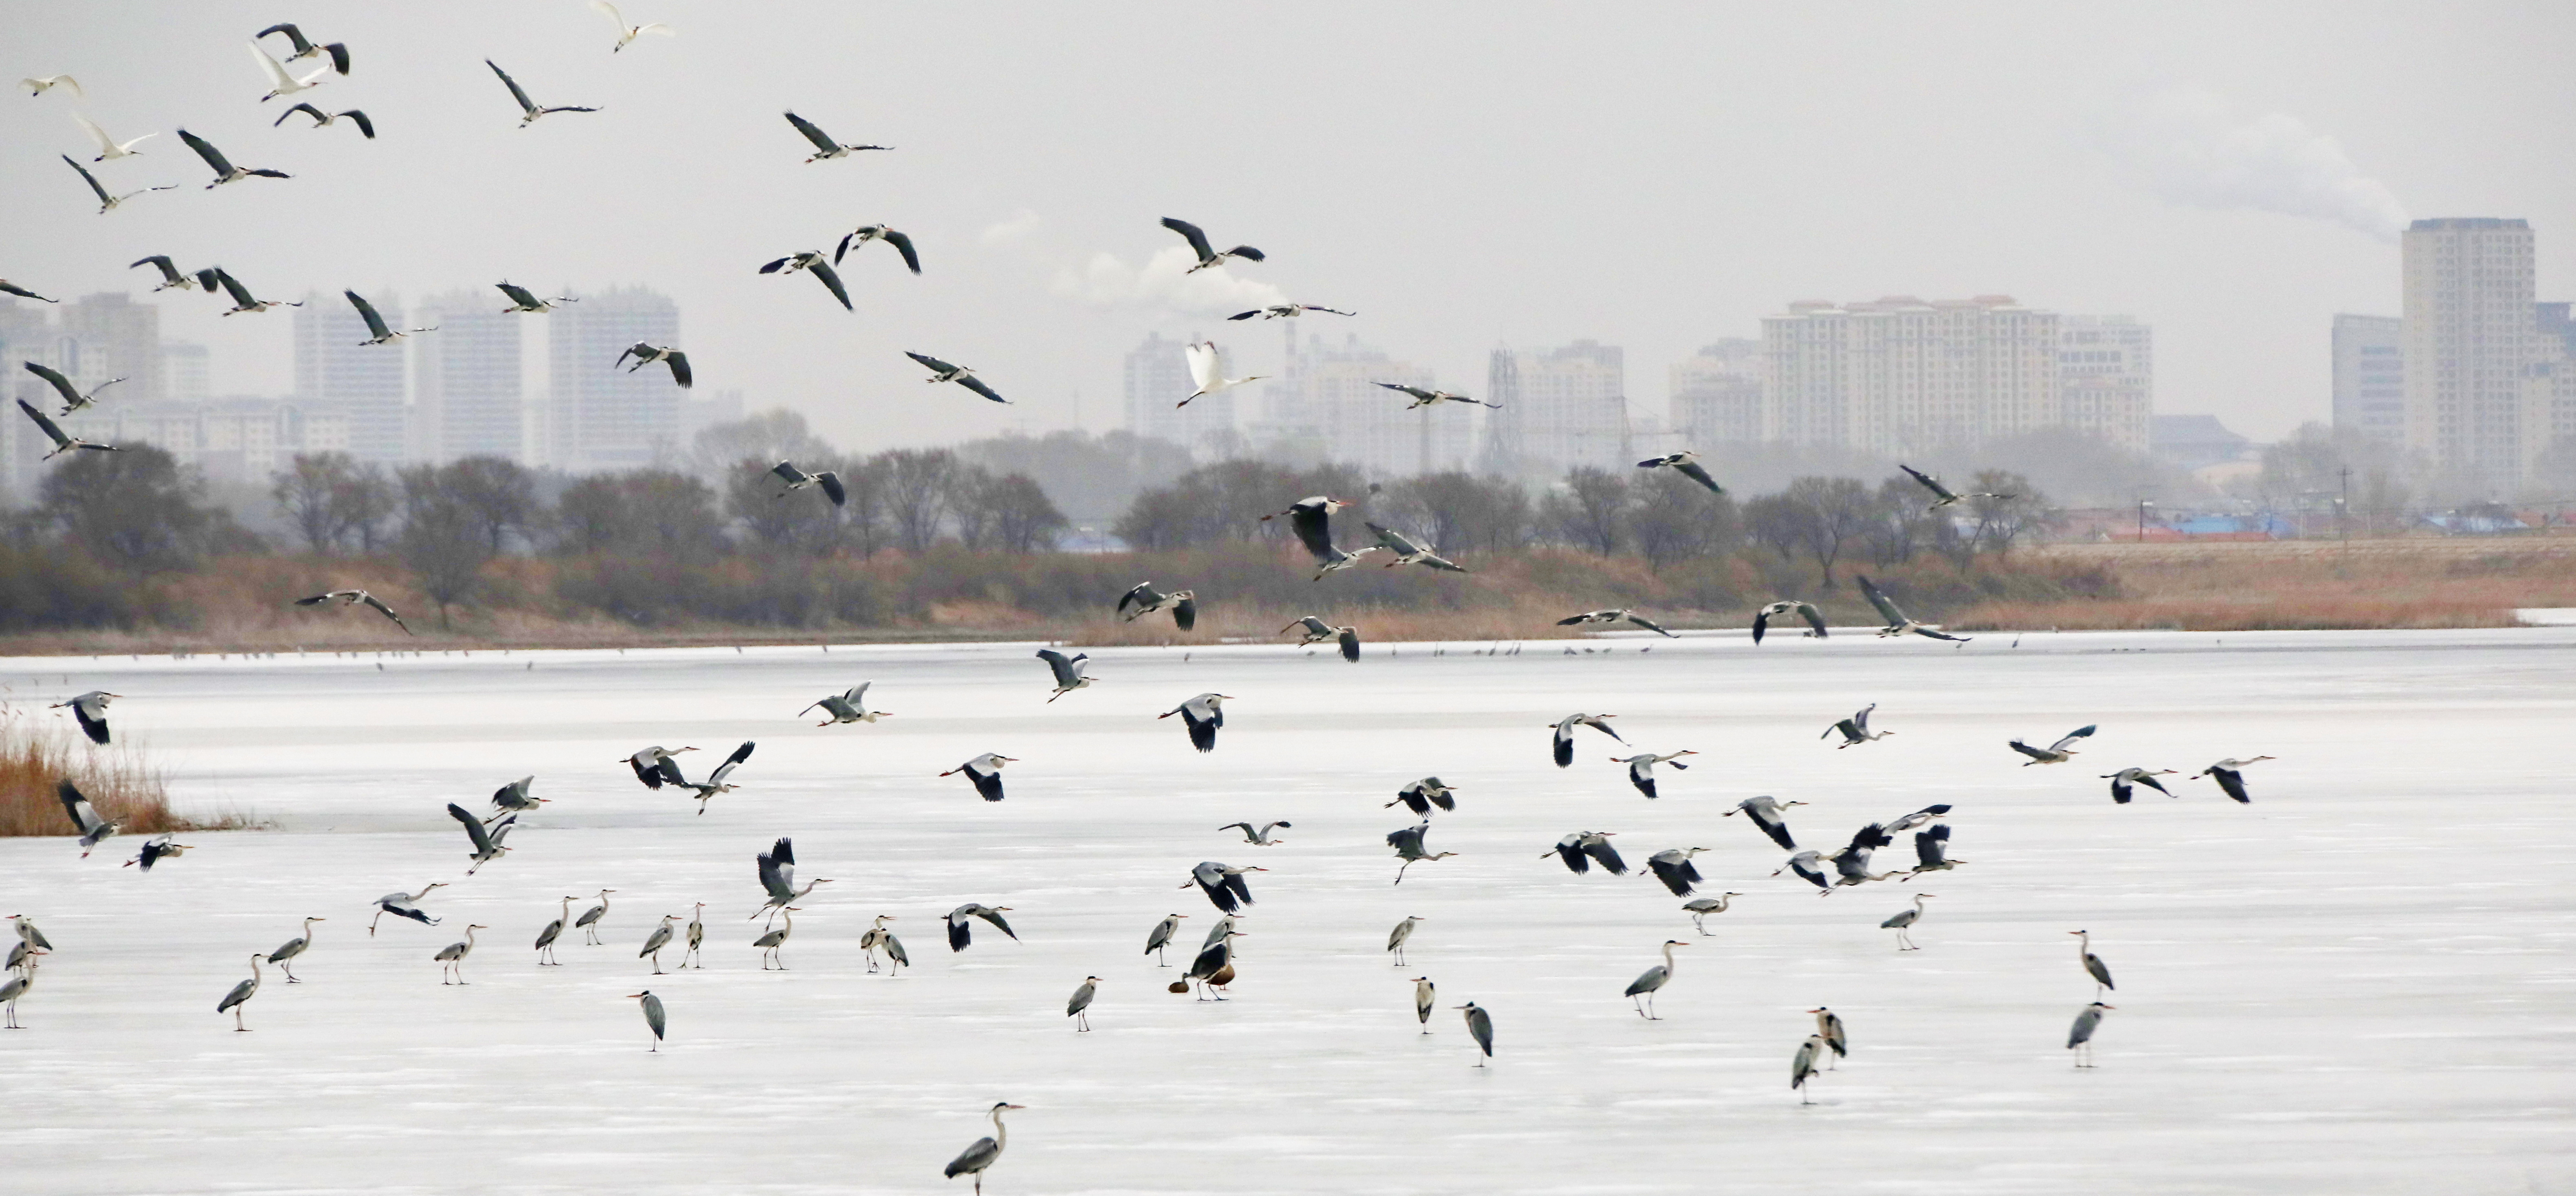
x: 1223, y: 884
x: 980, y: 1157
x: 1147, y: 600
x: 2124, y: 782
x: 377, y: 331
x: 1480, y: 1026
x: 696, y: 937
x: 1288, y: 311
x: 1641, y: 767
x: 1079, y: 1006
x: 941, y: 371
x: 654, y: 767
x: 1408, y: 848
x: 588, y: 922
x: 452, y: 956
x: 1423, y: 1001
x: 626, y: 34
x: 1685, y: 463
x: 486, y: 841
x: 961, y: 928
x: 1564, y: 741
x: 1829, y: 1026
x: 1200, y: 249
x: 2079, y: 1037
x: 1943, y: 496
x: 85, y: 818
x: 1582, y: 849
x: 770, y: 941
x: 1674, y: 868
x: 1902, y: 922
x: 232, y: 1002
x: 1207, y: 372
x: 522, y: 300
x: 1159, y: 940
x: 28, y: 934
x: 404, y: 905
x: 2055, y: 753
x: 1642, y: 990
x: 1068, y: 670
x: 529, y: 109
x: 90, y: 711
x: 2230, y: 775
x: 321, y: 119
x: 63, y: 442
x: 358, y: 598
x: 1258, y: 837
x: 716, y: 781
x: 1426, y: 397
x: 2093, y: 965
x: 1802, y: 1067
x: 1764, y: 812
x: 292, y: 949
x: 811, y: 261
x: 1203, y: 714
x: 1217, y: 930
x: 986, y: 772
x: 107, y: 202
x: 652, y: 1006
x: 1408, y: 551
x: 1422, y: 795
x: 798, y: 479
x: 1403, y: 932
x: 654, y: 942
x: 553, y: 930
x: 1214, y: 967
x: 865, y: 233
x: 850, y: 707
x: 877, y: 938
x: 778, y: 877
x: 225, y: 171
x: 1804, y: 610
x: 1897, y: 623
x: 16, y: 984
x: 825, y: 148
x: 1613, y: 616
x: 647, y: 353
x: 156, y: 849
x: 1855, y: 730
x: 1312, y: 520
x: 1700, y: 908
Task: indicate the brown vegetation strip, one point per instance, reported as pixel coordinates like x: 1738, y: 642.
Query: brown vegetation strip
x: 35, y: 756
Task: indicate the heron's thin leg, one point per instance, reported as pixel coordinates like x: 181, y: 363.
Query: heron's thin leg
x: 290, y: 973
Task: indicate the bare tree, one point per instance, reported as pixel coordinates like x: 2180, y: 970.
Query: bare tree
x: 654, y: 512
x: 496, y: 494
x: 135, y: 510
x: 1024, y: 519
x: 445, y: 540
x: 1590, y: 510
x: 917, y: 483
x: 1839, y: 510
x: 307, y: 493
x: 767, y: 437
x: 362, y: 502
x: 1676, y: 519
x: 1460, y: 512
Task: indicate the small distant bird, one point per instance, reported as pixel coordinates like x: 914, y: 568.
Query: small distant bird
x: 85, y: 818
x: 1685, y: 463
x: 771, y: 941
x: 877, y: 232
x: 1408, y: 848
x: 646, y: 354
x: 283, y: 84
x: 528, y: 107
x: 1286, y: 311
x: 961, y: 927
x: 357, y: 598
x: 1260, y: 837
x: 1223, y: 884
x: 1422, y: 1001
x: 1317, y: 631
x: 877, y: 938
x: 232, y: 1002
x: 656, y: 941
x: 1582, y: 849
x: 171, y: 277
x: 652, y: 1006
x: 1764, y: 813
x: 1204, y: 714
x: 1903, y: 921
x: 2230, y: 775
x: 798, y: 479
x: 981, y: 1155
x: 1422, y: 795
x: 1855, y: 730
x: 1079, y: 1006
x: 1642, y: 990
x: 824, y: 146
x: 1700, y: 908
x: 1613, y: 616
x: 90, y: 711
x: 1941, y: 495
x: 1802, y: 1067
x: 2093, y: 965
x: 157, y: 849
x: 524, y: 300
x: 304, y: 47
x: 10, y: 288
x: 1829, y: 1026
x: 850, y: 707
x: 1159, y: 939
x: 37, y: 87
x: 1409, y: 551
x: 1674, y: 868
x: 1480, y: 1026
x: 109, y: 147
x: 626, y: 34
x: 1183, y: 604
x: 715, y: 783
x: 2125, y: 781
x: 486, y: 841
x: 321, y: 118
x: 941, y: 371
x: 2055, y: 753
x: 1199, y: 246
x: 1641, y: 767
x: 1425, y: 398
x: 1897, y: 623
x: 243, y: 302
x: 986, y: 772
x: 1207, y: 372
x: 1312, y: 520
x: 1068, y: 671
x: 1932, y: 850
x: 404, y: 905
x: 292, y: 949
x: 377, y: 332
x: 2079, y: 1037
x: 1397, y: 937
x: 653, y: 765
x: 811, y: 261
x: 452, y: 956
x: 106, y: 202
x: 1564, y: 742
x: 1804, y: 610
x: 63, y: 442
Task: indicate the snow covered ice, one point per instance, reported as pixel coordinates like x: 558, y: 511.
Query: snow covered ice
x: 2361, y: 983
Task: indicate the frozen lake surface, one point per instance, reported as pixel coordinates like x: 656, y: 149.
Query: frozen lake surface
x: 2362, y: 983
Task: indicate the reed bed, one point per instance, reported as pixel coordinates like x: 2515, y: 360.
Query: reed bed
x: 36, y: 754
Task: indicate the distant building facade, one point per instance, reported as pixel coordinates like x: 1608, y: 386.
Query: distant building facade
x: 336, y: 371
x: 1561, y: 409
x: 466, y: 392
x: 1329, y: 405
x: 1157, y: 375
x: 1717, y: 394
x: 2471, y: 346
x: 1901, y: 374
x: 2106, y: 378
x: 108, y: 336
x: 2370, y: 376
x: 601, y: 415
x: 187, y: 372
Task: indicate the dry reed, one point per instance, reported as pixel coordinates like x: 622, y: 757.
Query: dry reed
x: 35, y: 755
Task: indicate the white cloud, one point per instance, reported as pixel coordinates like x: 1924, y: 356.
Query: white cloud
x: 2187, y: 146
x: 1019, y: 226
x: 1164, y: 283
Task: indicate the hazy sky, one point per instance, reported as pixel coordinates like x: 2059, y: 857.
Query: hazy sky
x: 1462, y: 174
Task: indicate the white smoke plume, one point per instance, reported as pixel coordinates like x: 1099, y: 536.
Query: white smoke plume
x: 1164, y: 283
x: 2188, y: 146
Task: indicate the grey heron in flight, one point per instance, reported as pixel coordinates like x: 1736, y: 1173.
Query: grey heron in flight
x: 1942, y: 496
x: 1288, y: 311
x: 1203, y: 714
x: 981, y: 1156
x: 85, y: 818
x: 778, y: 877
x: 2093, y: 965
x: 305, y: 48
x: 322, y: 119
x: 626, y: 34
x: 1809, y: 867
x: 1641, y: 767
x: 2055, y: 753
x: 811, y: 261
x: 986, y: 772
x: 1317, y: 631
x: 1312, y: 520
x: 1855, y: 730
x: 1424, y: 1001
x: 553, y: 930
x: 1258, y: 837
x: 1700, y: 908
x: 1184, y: 604
x: 1851, y: 864
x: 1158, y: 941
x: 647, y: 353
x: 1802, y: 1066
x: 877, y: 938
x: 39, y: 86
x: 90, y: 711
x: 404, y: 905
x: 1564, y: 743
x: 696, y: 938
x: 824, y: 147
x: 1920, y: 817
x: 1214, y: 967
x: 716, y: 781
x: 524, y: 300
x: 243, y: 301
x: 452, y: 956
x: 1223, y: 884
x: 589, y: 921
x: 225, y: 171
x: 377, y: 332
x: 63, y: 441
x: 1426, y: 397
x: 358, y: 598
x: 1685, y: 463
x: 941, y: 371
x: 1422, y: 795
x: 654, y: 766
x: 657, y: 940
x: 239, y: 996
x: 1207, y: 372
x: 1932, y: 851
x: 156, y: 849
x: 652, y: 1007
x: 1902, y: 922
x: 529, y: 109
x: 10, y: 288
x: 108, y: 202
x: 514, y: 797
x: 282, y: 83
x: 1829, y: 1026
x: 2230, y: 775
x: 797, y: 479
x: 1408, y: 551
x: 1642, y: 990
x: 865, y: 233
x: 2079, y: 1037
x: 1200, y: 249
x: 1897, y: 623
x: 1582, y: 849
x: 1480, y: 1026
x: 1068, y: 671
x: 1804, y: 610
x: 1079, y: 1005
x: 770, y: 941
x: 1408, y: 848
x: 1613, y: 616
x: 1674, y: 868
x: 292, y: 949
x: 172, y: 278
x: 961, y: 926
x: 1403, y: 933
x: 849, y: 707
x: 2124, y: 783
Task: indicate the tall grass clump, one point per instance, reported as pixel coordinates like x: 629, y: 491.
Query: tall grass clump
x: 34, y: 756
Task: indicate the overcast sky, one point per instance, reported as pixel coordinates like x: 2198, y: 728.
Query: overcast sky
x: 1461, y: 174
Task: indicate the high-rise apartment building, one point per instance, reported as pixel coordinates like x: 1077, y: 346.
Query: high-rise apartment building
x: 2106, y: 374
x: 187, y: 372
x: 337, y: 372
x: 2370, y: 376
x: 465, y: 380
x: 1157, y: 379
x: 2470, y: 346
x: 111, y: 336
x: 601, y: 415
x: 1561, y: 409
x: 1330, y: 401
x: 1717, y: 394
x: 1900, y: 374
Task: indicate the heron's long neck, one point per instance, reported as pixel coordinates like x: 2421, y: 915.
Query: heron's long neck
x: 2083, y: 946
x: 469, y: 936
x: 1668, y: 959
x: 254, y: 969
x: 1001, y: 1135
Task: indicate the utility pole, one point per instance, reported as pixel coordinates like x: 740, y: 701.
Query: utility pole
x: 2343, y: 508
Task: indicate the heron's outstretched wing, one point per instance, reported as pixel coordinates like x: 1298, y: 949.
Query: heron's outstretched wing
x: 45, y: 425
x: 359, y: 119
x: 725, y: 769
x: 787, y: 471
x: 1886, y: 606
x: 832, y: 488
x: 1060, y: 665
x: 1144, y: 595
x: 1313, y: 525
x: 930, y: 363
x: 995, y: 917
x: 1396, y: 541
x: 83, y: 815
x: 2071, y: 736
x: 339, y: 53
x: 473, y: 828
x: 1929, y: 845
x: 679, y: 363
x: 516, y: 92
x: 1204, y: 371
x: 2233, y: 782
x: 1815, y: 618
x: 1350, y: 640
x: 519, y: 295
x: 292, y: 33
x: 903, y: 245
x: 55, y: 378
x: 367, y: 311
x: 1191, y: 233
x: 831, y: 281
x: 2027, y: 750
x: 1185, y: 614
x: 387, y: 612
x: 778, y: 871
x: 1930, y: 483
x: 1415, y: 391
x: 973, y: 383
x: 1650, y: 625
x: 215, y: 159
x: 822, y: 141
